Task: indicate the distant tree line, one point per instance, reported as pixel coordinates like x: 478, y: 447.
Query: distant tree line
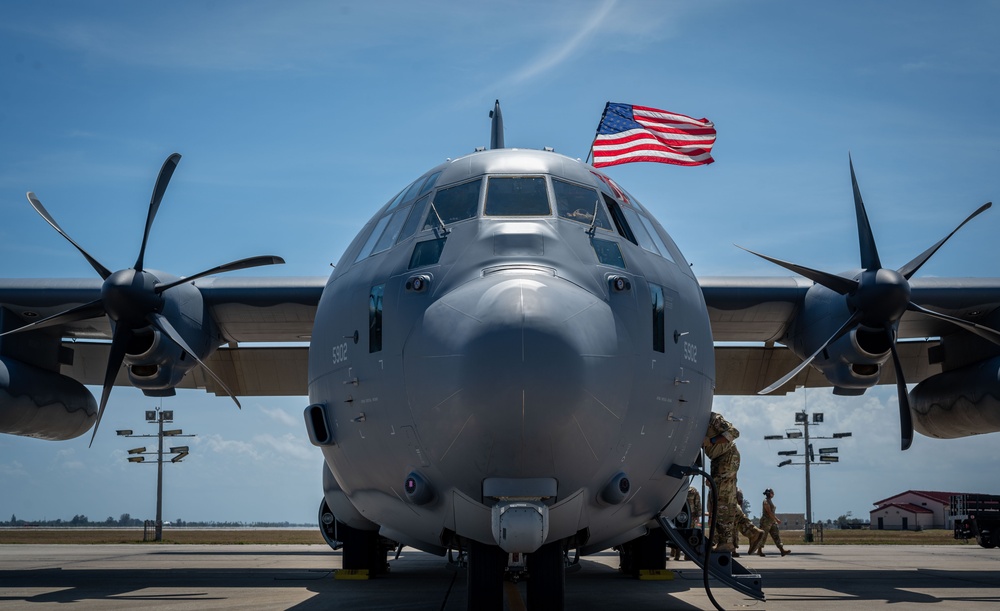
x: 127, y: 520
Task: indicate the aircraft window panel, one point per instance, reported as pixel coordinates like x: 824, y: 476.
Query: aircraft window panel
x: 578, y: 203
x: 414, y: 190
x: 427, y: 253
x: 373, y: 238
x: 648, y: 224
x: 397, y: 200
x: 616, y: 215
x: 391, y: 230
x: 375, y: 318
x: 455, y: 204
x: 639, y: 230
x: 429, y: 183
x: 608, y: 252
x: 413, y: 219
x: 517, y: 196
x: 659, y: 318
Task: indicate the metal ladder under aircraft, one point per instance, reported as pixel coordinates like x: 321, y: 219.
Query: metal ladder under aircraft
x: 722, y: 566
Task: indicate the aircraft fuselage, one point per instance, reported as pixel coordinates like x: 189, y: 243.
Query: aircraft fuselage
x: 485, y: 342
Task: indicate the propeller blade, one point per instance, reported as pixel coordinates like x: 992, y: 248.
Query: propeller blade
x: 983, y: 332
x: 869, y: 253
x: 911, y: 268
x: 905, y: 419
x: 81, y: 312
x: 835, y: 283
x: 40, y: 209
x: 154, y: 202
x: 853, y: 320
x: 119, y: 345
x: 160, y: 322
x: 228, y: 267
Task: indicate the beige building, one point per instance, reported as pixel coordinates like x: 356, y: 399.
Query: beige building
x: 913, y: 510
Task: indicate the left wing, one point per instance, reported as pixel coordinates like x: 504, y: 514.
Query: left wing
x: 43, y: 370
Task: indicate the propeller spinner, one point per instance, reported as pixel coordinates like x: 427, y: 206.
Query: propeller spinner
x: 877, y: 299
x: 133, y: 298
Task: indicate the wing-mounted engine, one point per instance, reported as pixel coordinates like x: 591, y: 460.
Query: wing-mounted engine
x: 853, y: 362
x: 160, y: 328
x: 849, y: 322
x: 156, y: 363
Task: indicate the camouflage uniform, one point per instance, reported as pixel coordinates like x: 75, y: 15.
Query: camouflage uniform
x: 769, y: 525
x: 720, y: 448
x: 745, y: 526
x: 694, y: 504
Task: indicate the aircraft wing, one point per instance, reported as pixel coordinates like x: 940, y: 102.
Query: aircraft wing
x: 277, y: 311
x: 749, y: 315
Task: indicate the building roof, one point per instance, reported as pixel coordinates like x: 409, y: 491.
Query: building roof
x: 910, y: 507
x: 940, y: 497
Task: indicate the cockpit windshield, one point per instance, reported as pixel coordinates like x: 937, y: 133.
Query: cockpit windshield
x: 579, y: 204
x: 517, y: 196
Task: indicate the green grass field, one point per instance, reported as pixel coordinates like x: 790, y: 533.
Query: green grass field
x: 208, y: 536
x: 280, y: 536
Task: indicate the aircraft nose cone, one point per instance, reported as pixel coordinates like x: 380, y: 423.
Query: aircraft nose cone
x: 516, y: 371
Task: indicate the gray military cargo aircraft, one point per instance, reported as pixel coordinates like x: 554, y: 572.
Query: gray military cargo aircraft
x: 506, y: 362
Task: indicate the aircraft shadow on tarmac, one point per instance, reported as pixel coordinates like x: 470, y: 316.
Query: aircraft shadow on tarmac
x: 431, y: 584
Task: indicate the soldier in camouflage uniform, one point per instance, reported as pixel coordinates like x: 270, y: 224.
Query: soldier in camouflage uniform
x: 754, y: 535
x: 720, y: 447
x: 769, y: 523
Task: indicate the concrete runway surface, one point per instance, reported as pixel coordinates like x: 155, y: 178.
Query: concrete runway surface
x: 198, y: 577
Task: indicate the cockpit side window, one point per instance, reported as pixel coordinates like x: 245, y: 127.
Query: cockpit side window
x: 660, y: 246
x: 429, y: 183
x: 373, y: 238
x: 413, y: 219
x: 620, y: 223
x: 639, y: 230
x: 579, y: 204
x: 454, y: 204
x: 391, y: 230
x: 517, y: 196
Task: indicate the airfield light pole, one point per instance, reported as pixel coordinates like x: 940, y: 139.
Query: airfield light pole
x: 137, y: 455
x: 826, y: 455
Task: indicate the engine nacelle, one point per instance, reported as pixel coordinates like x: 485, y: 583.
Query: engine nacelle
x: 851, y: 363
x: 958, y: 403
x: 855, y: 360
x: 156, y: 364
x: 38, y: 403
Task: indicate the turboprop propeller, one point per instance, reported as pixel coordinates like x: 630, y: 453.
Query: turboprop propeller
x: 132, y: 298
x: 877, y: 297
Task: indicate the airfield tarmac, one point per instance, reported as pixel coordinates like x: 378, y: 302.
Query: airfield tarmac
x: 300, y: 577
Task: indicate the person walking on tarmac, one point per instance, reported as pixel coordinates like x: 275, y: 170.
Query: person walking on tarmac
x: 769, y: 524
x: 754, y: 535
x: 720, y: 447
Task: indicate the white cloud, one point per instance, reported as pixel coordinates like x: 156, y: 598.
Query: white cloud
x: 282, y: 416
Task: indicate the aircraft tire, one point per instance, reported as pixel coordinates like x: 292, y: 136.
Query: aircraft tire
x: 546, y: 577
x: 988, y: 539
x: 363, y: 550
x: 487, y: 564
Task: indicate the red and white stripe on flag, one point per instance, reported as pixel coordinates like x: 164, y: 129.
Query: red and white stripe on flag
x: 650, y: 134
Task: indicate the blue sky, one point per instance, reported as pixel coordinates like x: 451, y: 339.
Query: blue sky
x: 296, y: 121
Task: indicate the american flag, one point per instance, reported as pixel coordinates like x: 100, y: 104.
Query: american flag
x: 637, y: 133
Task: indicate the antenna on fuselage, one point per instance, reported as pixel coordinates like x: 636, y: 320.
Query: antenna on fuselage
x: 496, y: 131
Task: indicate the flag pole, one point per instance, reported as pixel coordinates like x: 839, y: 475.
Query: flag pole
x: 597, y: 132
